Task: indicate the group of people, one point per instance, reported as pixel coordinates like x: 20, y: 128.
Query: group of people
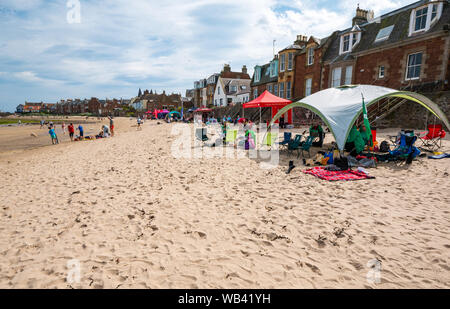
x: 105, y: 132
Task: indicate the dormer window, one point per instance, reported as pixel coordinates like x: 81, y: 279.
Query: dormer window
x: 423, y: 17
x: 257, y: 74
x: 346, y: 46
x: 349, y: 40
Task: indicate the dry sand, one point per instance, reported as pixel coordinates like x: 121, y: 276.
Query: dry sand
x: 136, y: 217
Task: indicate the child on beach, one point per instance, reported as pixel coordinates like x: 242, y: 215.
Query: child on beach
x: 53, y: 136
x: 80, y: 128
x: 71, y: 131
x: 139, y: 121
x: 63, y: 127
x: 111, y: 125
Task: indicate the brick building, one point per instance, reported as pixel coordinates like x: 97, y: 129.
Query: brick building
x: 286, y: 67
x: 265, y: 77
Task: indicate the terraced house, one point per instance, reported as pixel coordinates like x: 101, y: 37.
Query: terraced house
x: 265, y: 77
x: 407, y: 49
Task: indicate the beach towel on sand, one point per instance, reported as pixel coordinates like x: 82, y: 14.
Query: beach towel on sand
x: 347, y: 175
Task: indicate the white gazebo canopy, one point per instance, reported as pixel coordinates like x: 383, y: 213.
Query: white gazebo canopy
x: 340, y: 107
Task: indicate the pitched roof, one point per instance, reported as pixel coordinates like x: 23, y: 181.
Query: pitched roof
x: 239, y: 83
x: 265, y: 76
x: 400, y: 19
x: 237, y: 75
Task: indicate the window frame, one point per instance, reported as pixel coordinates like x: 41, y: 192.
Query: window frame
x: 290, y: 65
x: 281, y: 90
x: 415, y: 65
x: 283, y: 63
x: 381, y: 76
x: 310, y: 58
x: 333, y: 77
x: 423, y: 17
x: 343, y: 43
x: 306, y: 87
x: 288, y: 90
x: 346, y: 75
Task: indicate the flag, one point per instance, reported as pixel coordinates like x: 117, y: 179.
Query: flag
x: 367, y: 124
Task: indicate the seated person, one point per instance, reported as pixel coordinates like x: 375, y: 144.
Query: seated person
x: 316, y: 131
x: 365, y: 135
x: 355, y: 143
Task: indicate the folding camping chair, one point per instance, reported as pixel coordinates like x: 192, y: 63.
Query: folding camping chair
x: 306, y: 146
x: 294, y: 145
x: 201, y: 135
x: 432, y: 140
x: 287, y: 140
x: 406, y: 149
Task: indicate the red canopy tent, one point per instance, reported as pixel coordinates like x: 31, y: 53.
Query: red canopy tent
x: 269, y: 100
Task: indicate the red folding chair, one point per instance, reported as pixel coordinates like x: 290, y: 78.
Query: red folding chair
x: 432, y: 140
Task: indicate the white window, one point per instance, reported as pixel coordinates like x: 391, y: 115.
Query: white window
x: 288, y: 90
x: 281, y: 90
x: 273, y: 68
x: 421, y: 19
x: 283, y: 63
x: 270, y: 88
x: 308, y: 87
x: 215, y: 102
x: 257, y: 74
x: 348, y: 75
x: 311, y: 56
x: 346, y: 43
x: 221, y: 102
x: 434, y: 12
x: 218, y: 90
x: 384, y: 33
x: 414, y: 66
x: 354, y: 39
x: 336, y: 81
x: 290, y: 61
x: 381, y: 71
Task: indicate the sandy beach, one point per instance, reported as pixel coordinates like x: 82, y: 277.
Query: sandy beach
x: 134, y: 216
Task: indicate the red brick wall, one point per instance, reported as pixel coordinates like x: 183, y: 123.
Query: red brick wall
x: 304, y: 71
x: 395, y: 62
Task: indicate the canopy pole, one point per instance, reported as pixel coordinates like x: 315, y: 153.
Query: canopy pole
x: 260, y: 115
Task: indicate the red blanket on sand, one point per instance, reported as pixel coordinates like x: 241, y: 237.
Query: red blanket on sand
x: 337, y: 175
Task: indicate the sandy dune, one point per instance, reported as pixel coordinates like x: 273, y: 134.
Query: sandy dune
x: 136, y: 217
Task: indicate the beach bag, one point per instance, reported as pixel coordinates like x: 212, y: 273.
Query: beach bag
x: 341, y: 162
x: 251, y: 142
x: 384, y: 147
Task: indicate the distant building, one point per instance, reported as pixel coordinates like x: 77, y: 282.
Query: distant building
x: 232, y: 91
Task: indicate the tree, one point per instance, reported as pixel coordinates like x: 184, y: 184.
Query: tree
x: 139, y: 93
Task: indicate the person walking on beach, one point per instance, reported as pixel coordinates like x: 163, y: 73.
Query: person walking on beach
x: 42, y: 123
x: 71, y: 130
x: 80, y: 128
x: 53, y: 136
x: 139, y: 121
x: 111, y: 125
x: 63, y: 127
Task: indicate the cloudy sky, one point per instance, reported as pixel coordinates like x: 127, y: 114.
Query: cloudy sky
x: 120, y: 46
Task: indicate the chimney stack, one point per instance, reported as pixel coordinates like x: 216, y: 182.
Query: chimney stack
x: 226, y: 68
x: 244, y: 69
x: 362, y: 16
x: 301, y: 40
